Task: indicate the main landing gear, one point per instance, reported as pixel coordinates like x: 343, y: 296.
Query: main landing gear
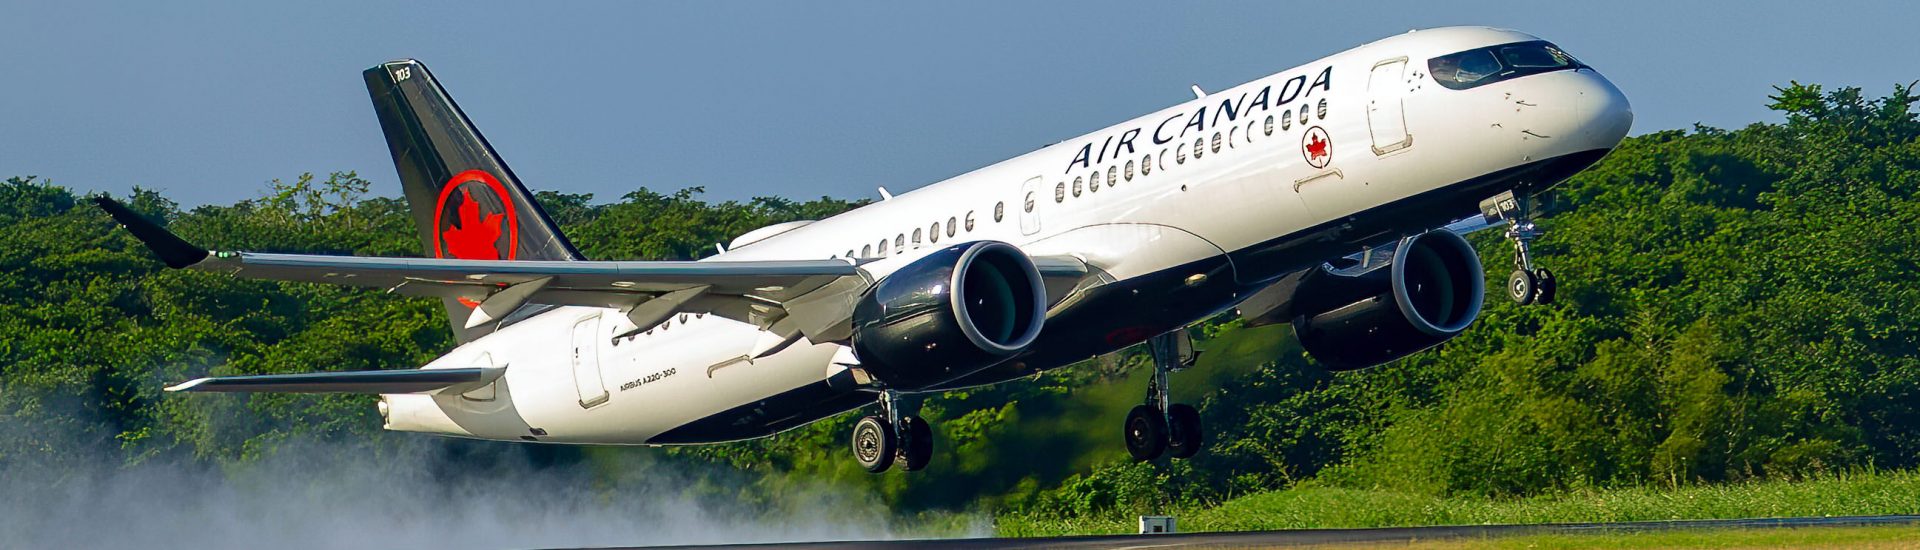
x: 1158, y: 427
x: 881, y: 440
x: 1527, y: 284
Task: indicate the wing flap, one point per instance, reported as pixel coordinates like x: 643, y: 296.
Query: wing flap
x: 374, y: 381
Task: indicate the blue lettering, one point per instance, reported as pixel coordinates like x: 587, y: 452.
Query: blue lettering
x: 1260, y: 100
x: 1291, y: 90
x: 1126, y: 140
x: 1197, y: 123
x: 1228, y: 108
x: 1323, y: 82
x: 1157, y: 140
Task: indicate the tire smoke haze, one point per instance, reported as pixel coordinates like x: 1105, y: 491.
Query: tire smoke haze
x: 402, y: 491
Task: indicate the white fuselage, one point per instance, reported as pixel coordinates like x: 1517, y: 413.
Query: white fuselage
x: 1258, y: 180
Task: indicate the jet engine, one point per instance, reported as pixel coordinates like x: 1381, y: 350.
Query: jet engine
x: 950, y: 313
x: 1431, y: 290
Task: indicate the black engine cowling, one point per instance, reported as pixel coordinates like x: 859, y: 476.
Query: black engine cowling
x: 1430, y: 292
x: 950, y: 313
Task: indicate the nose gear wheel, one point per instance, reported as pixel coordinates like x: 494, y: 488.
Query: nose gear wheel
x: 1528, y: 284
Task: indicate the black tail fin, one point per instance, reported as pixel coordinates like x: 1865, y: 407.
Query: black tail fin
x: 466, y: 203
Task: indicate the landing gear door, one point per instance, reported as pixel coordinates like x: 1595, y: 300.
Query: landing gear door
x: 586, y: 362
x: 1386, y: 110
x: 1029, y: 206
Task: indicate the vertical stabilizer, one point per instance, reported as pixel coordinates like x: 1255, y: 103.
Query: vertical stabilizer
x: 466, y: 203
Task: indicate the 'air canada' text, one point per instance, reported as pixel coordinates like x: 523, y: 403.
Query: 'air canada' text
x: 1229, y: 109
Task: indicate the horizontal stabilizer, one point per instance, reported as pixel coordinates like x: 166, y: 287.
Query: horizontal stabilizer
x: 368, y: 381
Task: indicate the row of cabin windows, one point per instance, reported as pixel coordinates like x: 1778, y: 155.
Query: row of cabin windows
x: 953, y: 227
x: 1114, y: 175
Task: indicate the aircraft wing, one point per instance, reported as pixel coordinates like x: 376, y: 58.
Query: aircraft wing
x: 788, y: 297
x: 378, y: 381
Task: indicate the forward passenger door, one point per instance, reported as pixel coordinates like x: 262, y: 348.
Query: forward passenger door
x: 1386, y: 109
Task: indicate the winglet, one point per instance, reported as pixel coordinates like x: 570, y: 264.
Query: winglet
x: 188, y: 385
x: 174, y: 251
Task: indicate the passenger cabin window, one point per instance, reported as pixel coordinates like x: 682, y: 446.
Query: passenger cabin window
x: 933, y: 233
x: 996, y: 209
x: 1199, y: 148
x: 1146, y: 165
x: 883, y: 248
x: 1269, y: 126
x: 866, y: 251
x: 999, y: 212
x: 1029, y: 202
x: 1286, y: 120
x: 1472, y: 68
x: 1216, y: 142
x: 1113, y: 175
x: 953, y: 226
x: 1180, y: 154
x: 1320, y: 111
x: 900, y: 242
x: 1076, y: 187
x: 916, y: 237
x: 1059, y: 194
x: 1129, y: 173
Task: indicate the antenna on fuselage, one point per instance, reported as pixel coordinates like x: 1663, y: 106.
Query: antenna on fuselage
x: 884, y: 195
x: 1199, y: 93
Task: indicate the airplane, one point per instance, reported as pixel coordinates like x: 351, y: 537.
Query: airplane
x: 1331, y: 196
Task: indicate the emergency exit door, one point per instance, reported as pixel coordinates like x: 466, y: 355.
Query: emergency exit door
x: 1030, y: 205
x: 1386, y: 106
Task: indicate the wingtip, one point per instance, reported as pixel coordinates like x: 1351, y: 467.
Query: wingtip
x: 173, y: 250
x: 188, y: 385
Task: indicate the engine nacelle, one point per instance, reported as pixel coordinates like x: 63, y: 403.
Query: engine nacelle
x: 953, y: 312
x: 1430, y: 292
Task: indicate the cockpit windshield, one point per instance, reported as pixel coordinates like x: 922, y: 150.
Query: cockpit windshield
x: 1488, y: 65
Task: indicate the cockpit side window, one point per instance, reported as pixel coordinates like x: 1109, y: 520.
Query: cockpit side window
x: 1479, y: 67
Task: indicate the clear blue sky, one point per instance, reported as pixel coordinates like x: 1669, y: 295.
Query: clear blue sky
x: 206, y: 101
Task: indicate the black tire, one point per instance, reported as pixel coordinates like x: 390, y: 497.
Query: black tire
x: 1146, y: 433
x: 1183, y: 431
x: 916, y: 450
x: 874, y: 444
x: 1549, y: 288
x: 1521, y: 286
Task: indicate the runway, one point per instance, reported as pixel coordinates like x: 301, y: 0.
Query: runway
x: 1302, y: 537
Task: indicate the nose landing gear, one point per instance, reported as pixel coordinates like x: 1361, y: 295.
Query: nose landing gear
x: 1157, y: 427
x: 881, y: 440
x: 1527, y: 284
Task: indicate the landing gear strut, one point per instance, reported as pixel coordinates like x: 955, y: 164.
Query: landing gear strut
x: 1527, y: 284
x: 1158, y: 427
x: 881, y: 440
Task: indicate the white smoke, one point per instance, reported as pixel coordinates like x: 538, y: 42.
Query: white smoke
x: 325, y: 495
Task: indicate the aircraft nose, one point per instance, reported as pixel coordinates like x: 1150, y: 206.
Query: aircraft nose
x: 1608, y: 114
x: 1574, y: 111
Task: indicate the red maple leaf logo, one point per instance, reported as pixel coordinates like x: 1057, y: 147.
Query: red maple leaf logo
x: 1316, y: 147
x: 473, y: 238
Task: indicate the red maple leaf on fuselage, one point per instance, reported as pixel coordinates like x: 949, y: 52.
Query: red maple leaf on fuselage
x: 473, y: 238
x: 1316, y: 147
